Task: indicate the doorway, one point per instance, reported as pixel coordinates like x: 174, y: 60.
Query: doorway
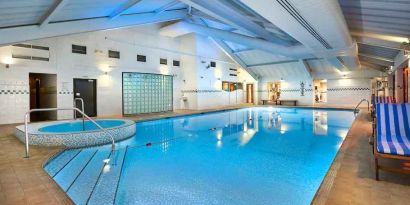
x: 87, y: 90
x: 320, y: 91
x: 249, y: 93
x: 43, y: 94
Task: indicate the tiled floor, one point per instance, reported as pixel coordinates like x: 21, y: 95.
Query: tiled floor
x: 350, y: 180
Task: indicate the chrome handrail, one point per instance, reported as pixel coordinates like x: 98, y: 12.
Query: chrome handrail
x: 82, y: 109
x: 54, y: 109
x: 368, y: 105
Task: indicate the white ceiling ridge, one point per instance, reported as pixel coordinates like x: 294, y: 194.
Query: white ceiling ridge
x: 182, y: 28
x: 26, y: 33
x: 229, y: 15
x: 317, y: 24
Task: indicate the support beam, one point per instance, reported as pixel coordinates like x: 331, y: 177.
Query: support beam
x: 306, y: 67
x: 182, y: 28
x: 235, y: 58
x: 377, y: 60
x: 123, y: 8
x: 25, y: 33
x: 272, y: 63
x: 232, y: 17
x: 52, y: 11
x: 242, y: 50
x: 166, y: 6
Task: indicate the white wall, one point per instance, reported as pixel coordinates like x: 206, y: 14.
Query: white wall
x: 130, y: 42
x: 203, y: 84
x: 348, y: 92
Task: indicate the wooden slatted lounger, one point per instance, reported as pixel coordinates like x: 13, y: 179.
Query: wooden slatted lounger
x: 392, y: 136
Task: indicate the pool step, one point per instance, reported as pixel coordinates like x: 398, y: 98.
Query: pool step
x: 73, y: 169
x: 82, y: 187
x: 105, y: 190
x: 60, y: 161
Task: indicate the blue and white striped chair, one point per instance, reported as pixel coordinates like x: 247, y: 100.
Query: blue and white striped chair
x: 392, y: 135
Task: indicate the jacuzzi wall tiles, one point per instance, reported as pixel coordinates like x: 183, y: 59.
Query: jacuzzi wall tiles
x: 76, y: 139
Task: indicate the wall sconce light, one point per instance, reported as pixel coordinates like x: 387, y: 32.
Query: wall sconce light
x: 281, y: 80
x: 7, y: 66
x: 218, y: 78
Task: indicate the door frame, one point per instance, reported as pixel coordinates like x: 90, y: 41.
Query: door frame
x: 253, y: 93
x: 95, y: 93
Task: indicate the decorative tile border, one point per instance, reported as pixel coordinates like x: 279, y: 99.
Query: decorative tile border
x: 65, y: 92
x: 14, y: 92
x: 348, y: 89
x: 290, y: 90
x: 75, y: 139
x: 201, y: 91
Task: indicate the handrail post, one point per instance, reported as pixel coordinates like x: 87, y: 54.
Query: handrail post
x: 82, y: 109
x: 26, y: 133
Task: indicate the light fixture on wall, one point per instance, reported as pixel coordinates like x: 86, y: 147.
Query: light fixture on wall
x: 281, y: 80
x: 7, y: 66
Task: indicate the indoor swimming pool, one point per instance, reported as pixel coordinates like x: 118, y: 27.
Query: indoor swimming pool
x: 258, y: 155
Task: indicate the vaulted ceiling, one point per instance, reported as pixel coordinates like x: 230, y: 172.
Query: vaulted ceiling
x: 272, y: 37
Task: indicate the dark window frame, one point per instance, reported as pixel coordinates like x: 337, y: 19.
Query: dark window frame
x: 163, y: 61
x: 78, y: 49
x: 114, y: 54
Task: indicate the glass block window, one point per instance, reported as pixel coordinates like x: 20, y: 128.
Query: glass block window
x: 146, y: 93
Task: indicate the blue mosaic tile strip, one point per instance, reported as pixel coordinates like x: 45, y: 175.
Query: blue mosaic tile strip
x: 55, y: 165
x: 84, y: 184
x: 66, y: 176
x: 104, y: 193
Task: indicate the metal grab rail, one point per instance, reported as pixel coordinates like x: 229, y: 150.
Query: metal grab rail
x: 54, y: 109
x: 368, y: 105
x: 82, y: 109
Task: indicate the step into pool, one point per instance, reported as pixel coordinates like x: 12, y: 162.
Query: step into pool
x: 260, y: 155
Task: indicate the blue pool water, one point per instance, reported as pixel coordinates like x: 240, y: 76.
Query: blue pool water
x: 247, y: 156
x: 78, y: 126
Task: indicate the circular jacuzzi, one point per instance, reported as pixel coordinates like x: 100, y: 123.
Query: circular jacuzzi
x: 74, y: 134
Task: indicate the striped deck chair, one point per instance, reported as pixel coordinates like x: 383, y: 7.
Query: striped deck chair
x: 392, y: 135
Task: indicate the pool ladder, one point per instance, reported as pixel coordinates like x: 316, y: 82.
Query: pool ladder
x: 56, y: 109
x: 356, y: 109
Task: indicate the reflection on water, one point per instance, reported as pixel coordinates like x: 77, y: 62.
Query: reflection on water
x: 320, y: 123
x: 271, y: 154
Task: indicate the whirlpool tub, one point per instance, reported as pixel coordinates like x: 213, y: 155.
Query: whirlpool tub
x: 73, y: 134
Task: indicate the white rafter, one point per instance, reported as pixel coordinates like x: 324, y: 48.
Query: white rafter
x: 52, y: 11
x: 123, y: 8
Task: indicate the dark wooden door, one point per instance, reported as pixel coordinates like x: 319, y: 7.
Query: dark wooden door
x: 249, y: 93
x: 87, y: 90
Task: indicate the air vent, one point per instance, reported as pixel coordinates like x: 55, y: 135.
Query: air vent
x: 30, y: 52
x: 78, y: 49
x: 29, y: 57
x: 233, y: 74
x: 175, y: 63
x: 21, y: 45
x: 163, y: 61
x: 113, y: 54
x: 233, y: 69
x: 141, y: 58
x: 294, y: 12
